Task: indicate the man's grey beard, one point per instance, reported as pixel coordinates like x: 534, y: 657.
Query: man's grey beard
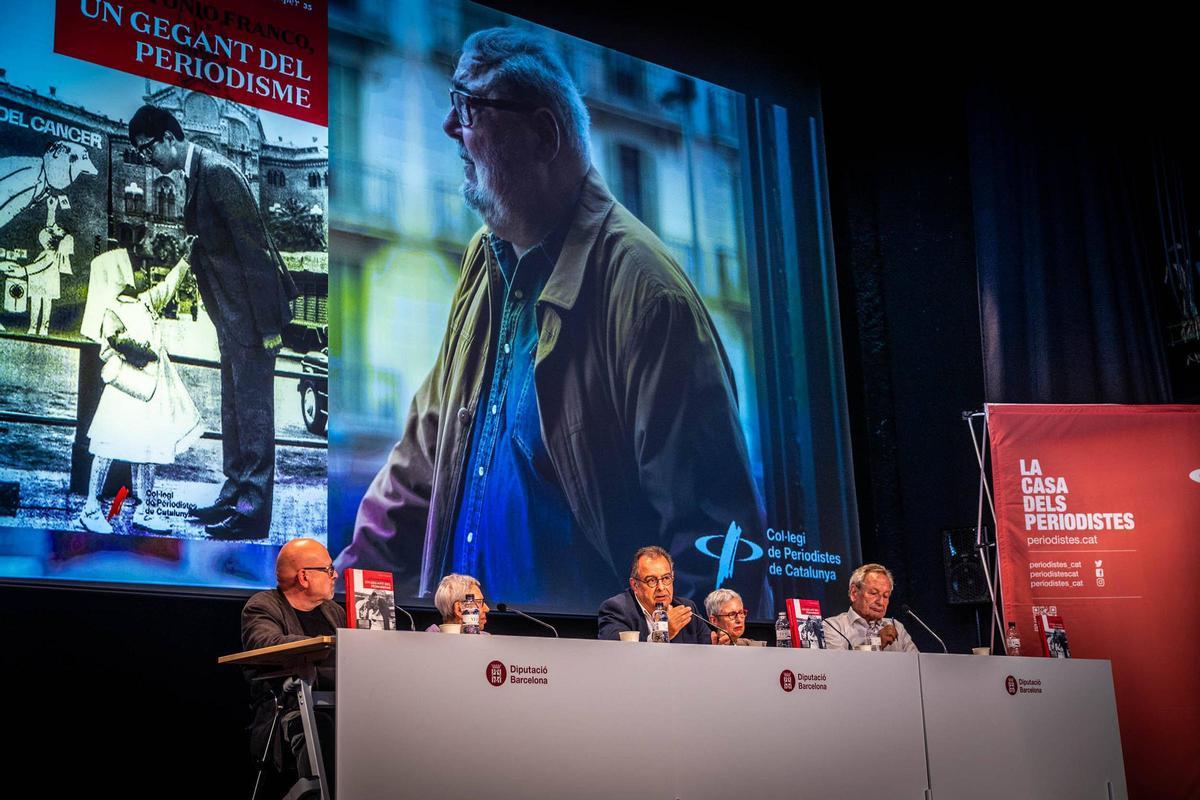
x: 485, y: 200
x: 487, y: 203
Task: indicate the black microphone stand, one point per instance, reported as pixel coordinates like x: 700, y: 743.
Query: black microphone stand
x: 505, y: 608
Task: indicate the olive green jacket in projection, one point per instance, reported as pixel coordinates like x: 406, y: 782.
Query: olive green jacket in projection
x: 637, y: 403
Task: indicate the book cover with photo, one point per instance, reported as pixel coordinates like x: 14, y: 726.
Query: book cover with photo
x: 164, y: 269
x: 371, y: 599
x: 1052, y: 634
x: 808, y: 626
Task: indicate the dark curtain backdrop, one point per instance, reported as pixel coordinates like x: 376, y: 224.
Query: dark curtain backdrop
x: 1070, y: 258
x: 1062, y: 205
x: 900, y: 201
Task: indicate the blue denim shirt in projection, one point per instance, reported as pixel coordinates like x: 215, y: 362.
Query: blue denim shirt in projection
x: 514, y: 530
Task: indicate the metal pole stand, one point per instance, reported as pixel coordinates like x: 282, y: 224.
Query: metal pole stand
x: 316, y: 784
x: 984, y: 548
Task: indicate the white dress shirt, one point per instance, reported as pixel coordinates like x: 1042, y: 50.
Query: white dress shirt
x: 857, y: 630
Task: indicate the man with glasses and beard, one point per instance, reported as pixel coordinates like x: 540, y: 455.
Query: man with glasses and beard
x: 651, y: 581
x: 581, y: 400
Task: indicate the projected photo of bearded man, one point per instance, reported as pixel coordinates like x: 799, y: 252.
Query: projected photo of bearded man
x: 582, y: 402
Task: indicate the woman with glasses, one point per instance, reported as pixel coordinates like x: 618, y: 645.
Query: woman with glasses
x: 725, y: 610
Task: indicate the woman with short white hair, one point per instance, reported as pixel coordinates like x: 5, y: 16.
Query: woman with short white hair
x: 725, y: 609
x: 449, y: 598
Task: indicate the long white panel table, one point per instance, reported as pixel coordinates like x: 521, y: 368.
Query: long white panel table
x: 418, y: 717
x: 427, y: 715
x: 1021, y: 727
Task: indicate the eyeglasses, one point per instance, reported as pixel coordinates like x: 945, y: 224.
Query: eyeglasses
x: 330, y: 570
x: 143, y: 149
x: 738, y: 614
x: 653, y: 582
x: 463, y: 103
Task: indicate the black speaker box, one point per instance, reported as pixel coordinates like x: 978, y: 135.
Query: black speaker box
x: 966, y: 582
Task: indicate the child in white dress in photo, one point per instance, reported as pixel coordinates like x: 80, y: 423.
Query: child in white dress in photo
x: 145, y: 416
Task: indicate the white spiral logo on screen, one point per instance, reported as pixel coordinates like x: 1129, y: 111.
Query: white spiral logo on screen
x: 1195, y: 475
x: 729, y: 550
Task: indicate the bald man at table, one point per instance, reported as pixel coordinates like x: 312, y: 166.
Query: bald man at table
x: 299, y: 607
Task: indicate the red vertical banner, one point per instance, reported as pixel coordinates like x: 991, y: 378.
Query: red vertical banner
x: 1097, y: 513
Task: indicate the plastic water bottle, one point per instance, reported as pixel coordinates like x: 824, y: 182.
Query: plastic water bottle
x: 470, y: 615
x: 783, y: 630
x: 1012, y: 640
x: 659, y: 631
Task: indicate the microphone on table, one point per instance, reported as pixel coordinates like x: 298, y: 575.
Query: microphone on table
x: 696, y: 615
x: 910, y: 612
x: 505, y: 608
x: 826, y: 623
x: 412, y: 625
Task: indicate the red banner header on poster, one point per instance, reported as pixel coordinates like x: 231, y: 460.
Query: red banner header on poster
x: 269, y: 54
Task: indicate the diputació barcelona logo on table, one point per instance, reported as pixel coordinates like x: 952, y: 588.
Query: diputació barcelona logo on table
x: 497, y: 674
x: 1014, y: 685
x: 814, y: 682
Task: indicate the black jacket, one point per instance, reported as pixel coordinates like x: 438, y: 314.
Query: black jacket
x: 622, y: 613
x: 269, y: 619
x: 240, y: 275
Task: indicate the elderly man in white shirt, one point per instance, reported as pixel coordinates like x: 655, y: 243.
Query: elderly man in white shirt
x: 864, y: 623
